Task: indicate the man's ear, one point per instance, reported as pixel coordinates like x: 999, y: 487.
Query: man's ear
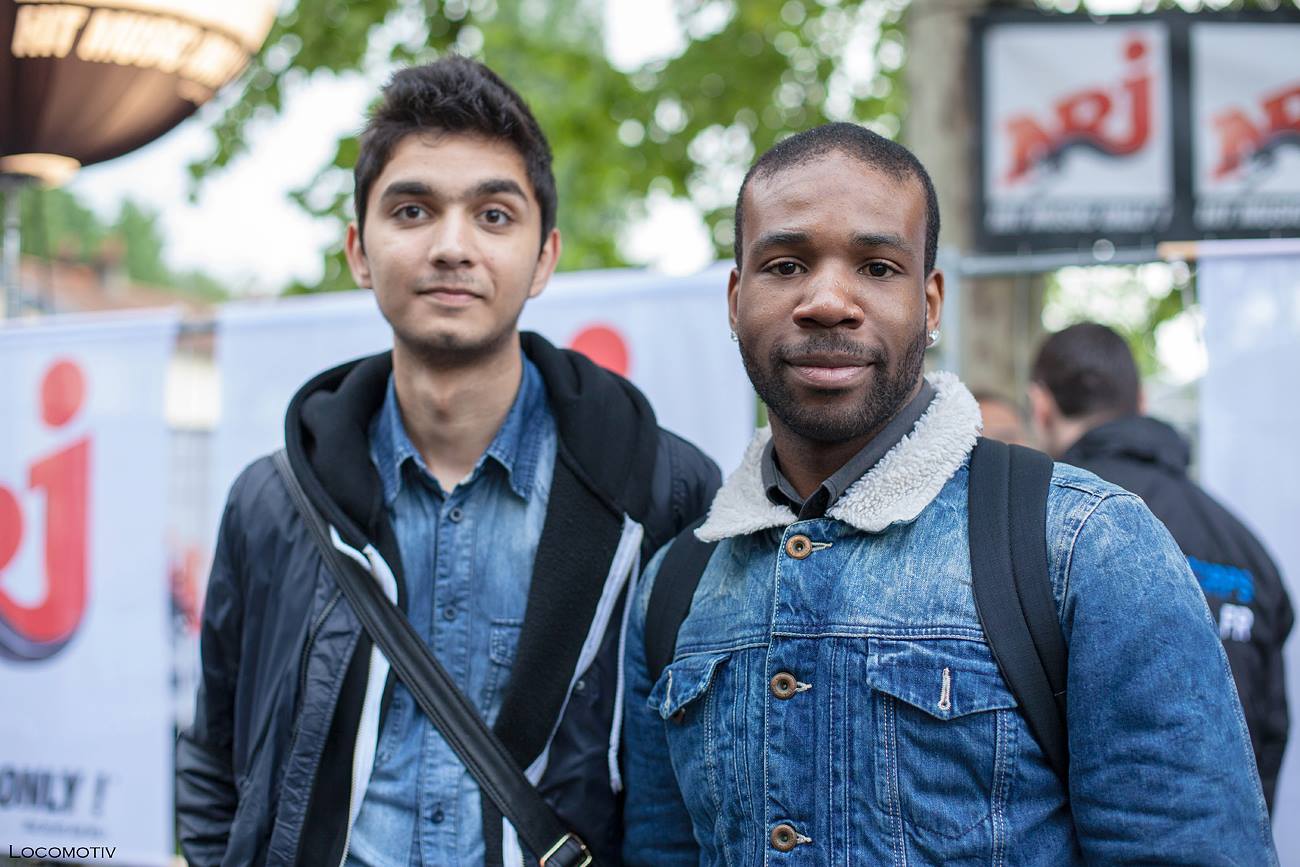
x: 1042, y: 407
x: 933, y: 299
x: 733, y: 287
x: 358, y: 264
x: 547, y: 259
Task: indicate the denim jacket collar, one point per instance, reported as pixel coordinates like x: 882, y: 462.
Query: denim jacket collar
x: 895, y: 490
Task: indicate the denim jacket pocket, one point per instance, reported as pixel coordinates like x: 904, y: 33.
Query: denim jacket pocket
x: 945, y: 734
x: 682, y: 683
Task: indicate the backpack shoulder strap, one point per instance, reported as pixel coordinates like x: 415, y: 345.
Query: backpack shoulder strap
x: 670, y: 599
x: 1012, y: 588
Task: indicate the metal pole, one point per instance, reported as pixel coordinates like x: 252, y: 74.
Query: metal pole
x: 11, y: 185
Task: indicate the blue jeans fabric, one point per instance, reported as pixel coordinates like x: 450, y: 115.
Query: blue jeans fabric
x: 900, y: 744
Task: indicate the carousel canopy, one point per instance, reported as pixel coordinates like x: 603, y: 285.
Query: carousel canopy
x: 83, y: 82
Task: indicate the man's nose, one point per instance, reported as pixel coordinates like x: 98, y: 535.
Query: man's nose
x: 451, y: 244
x: 830, y: 301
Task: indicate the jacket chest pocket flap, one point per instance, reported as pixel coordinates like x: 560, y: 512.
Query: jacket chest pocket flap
x: 946, y: 678
x: 682, y: 682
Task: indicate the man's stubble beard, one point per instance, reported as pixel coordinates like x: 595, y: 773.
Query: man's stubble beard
x: 886, y: 396
x: 450, y: 350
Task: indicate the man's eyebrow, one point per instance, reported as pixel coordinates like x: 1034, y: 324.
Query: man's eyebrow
x: 777, y: 239
x: 398, y: 189
x: 496, y: 187
x: 881, y: 239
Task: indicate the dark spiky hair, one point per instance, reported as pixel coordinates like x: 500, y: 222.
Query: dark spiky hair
x: 453, y: 95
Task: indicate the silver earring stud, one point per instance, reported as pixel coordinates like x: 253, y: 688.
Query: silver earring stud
x: 933, y: 336
x: 734, y: 338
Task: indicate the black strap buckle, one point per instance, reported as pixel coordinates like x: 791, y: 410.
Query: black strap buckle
x: 568, y: 851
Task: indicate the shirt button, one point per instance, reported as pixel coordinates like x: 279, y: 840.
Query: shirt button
x: 455, y: 515
x: 449, y: 613
x: 784, y: 837
x: 437, y: 817
x: 798, y: 547
x: 784, y: 685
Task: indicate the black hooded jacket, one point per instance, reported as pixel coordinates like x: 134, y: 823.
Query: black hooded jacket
x: 265, y: 774
x: 1240, y: 580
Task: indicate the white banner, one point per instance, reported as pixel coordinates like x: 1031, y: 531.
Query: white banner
x: 1249, y: 420
x: 86, y: 733
x: 669, y: 335
x: 1246, y: 125
x: 666, y: 334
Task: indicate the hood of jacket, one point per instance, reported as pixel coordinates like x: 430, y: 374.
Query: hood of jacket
x: 1132, y: 438
x: 606, y: 429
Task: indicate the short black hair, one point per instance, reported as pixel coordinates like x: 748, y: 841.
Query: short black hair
x: 460, y: 96
x: 1089, y: 371
x: 856, y: 141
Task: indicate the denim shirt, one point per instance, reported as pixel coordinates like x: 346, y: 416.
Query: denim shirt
x: 467, y: 556
x: 833, y: 701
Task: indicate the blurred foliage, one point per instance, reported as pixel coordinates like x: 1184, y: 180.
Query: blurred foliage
x: 57, y: 227
x: 1134, y: 300
x: 687, y: 126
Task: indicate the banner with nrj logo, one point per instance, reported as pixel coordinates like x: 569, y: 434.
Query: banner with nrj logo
x: 85, y: 733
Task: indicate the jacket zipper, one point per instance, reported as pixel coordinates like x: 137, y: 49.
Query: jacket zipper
x: 311, y: 639
x: 315, y: 629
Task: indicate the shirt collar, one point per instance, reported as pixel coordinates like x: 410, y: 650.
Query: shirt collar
x: 781, y: 493
x: 516, y: 447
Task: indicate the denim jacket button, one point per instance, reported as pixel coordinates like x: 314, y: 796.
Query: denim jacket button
x: 784, y: 837
x: 784, y: 685
x: 798, y: 547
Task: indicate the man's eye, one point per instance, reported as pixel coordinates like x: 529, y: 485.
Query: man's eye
x: 410, y: 212
x: 496, y: 216
x: 879, y: 269
x: 786, y: 269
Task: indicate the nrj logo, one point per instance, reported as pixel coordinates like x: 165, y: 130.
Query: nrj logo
x: 1247, y: 147
x: 1114, y: 121
x: 32, y: 632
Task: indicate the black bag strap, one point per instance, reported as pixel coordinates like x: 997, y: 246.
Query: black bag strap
x: 442, y: 701
x: 1012, y: 588
x: 670, y: 598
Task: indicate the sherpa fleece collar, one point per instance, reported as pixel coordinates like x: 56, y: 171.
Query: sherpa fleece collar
x: 895, y: 490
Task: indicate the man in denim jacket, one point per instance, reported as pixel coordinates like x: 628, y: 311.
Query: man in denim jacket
x: 832, y: 700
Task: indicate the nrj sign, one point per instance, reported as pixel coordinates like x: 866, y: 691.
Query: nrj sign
x: 60, y: 480
x: 1113, y: 120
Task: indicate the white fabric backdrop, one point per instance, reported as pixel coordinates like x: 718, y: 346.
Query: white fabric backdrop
x: 86, y: 731
x: 1250, y: 448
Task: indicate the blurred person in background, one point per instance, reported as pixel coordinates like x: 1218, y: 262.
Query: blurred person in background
x: 1089, y: 411
x: 502, y: 490
x: 1003, y: 420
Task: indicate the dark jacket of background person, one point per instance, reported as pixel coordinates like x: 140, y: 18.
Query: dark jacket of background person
x: 265, y: 772
x: 1240, y: 580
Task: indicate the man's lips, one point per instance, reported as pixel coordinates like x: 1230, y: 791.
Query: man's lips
x: 829, y: 371
x: 450, y: 295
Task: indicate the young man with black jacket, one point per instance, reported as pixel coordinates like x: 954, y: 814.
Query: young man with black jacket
x: 501, y: 491
x: 1087, y: 405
